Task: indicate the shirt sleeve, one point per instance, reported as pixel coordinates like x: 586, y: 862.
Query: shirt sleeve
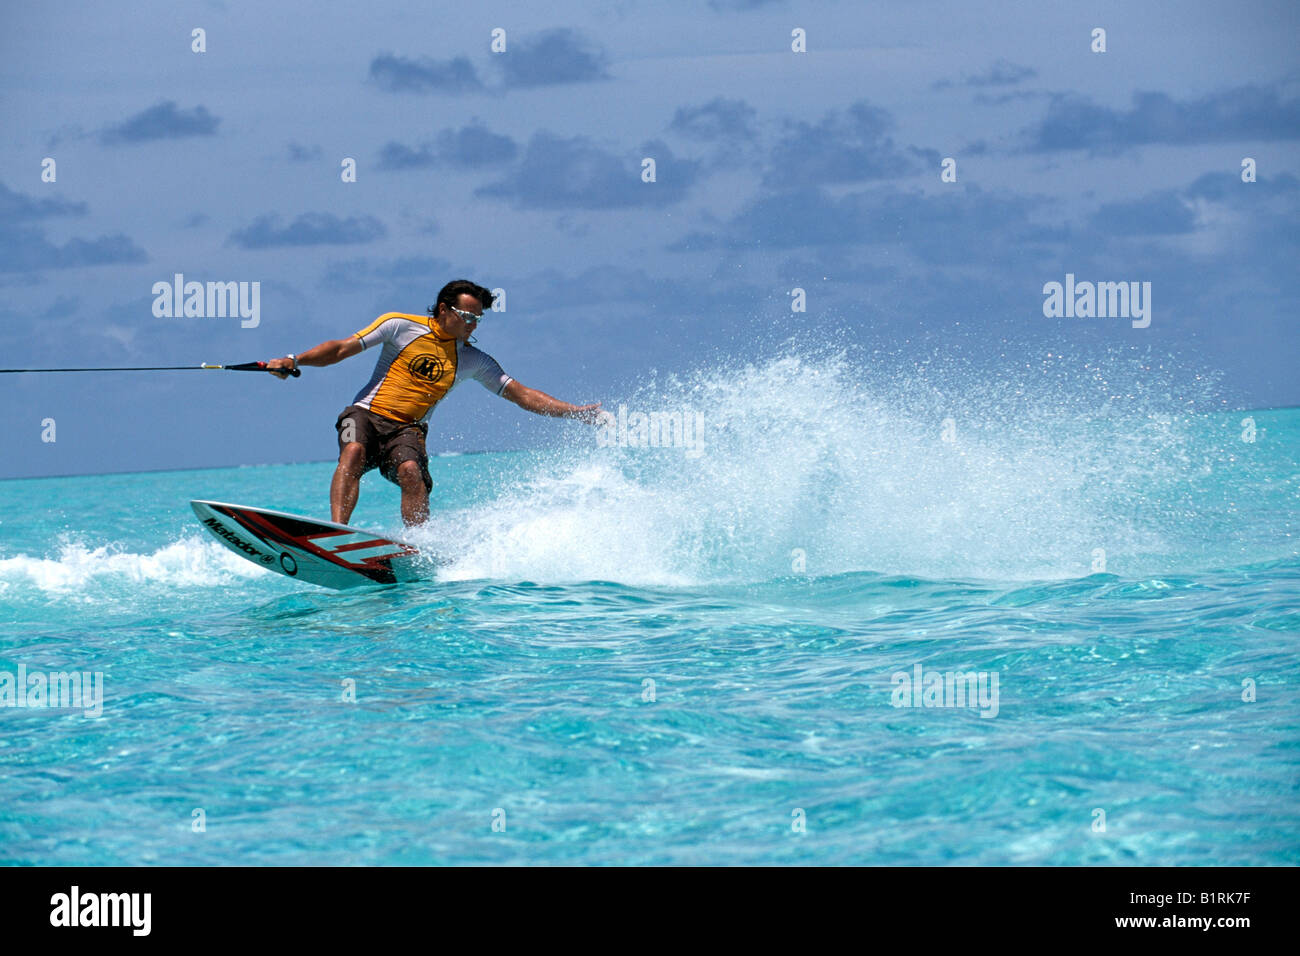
x: 484, y: 369
x: 378, y: 331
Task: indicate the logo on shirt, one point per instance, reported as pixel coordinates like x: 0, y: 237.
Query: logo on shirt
x: 427, y: 368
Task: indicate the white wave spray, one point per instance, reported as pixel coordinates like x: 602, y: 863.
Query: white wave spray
x: 822, y: 465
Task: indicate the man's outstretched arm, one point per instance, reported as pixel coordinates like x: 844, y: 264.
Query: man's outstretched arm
x: 531, y: 400
x: 327, y: 353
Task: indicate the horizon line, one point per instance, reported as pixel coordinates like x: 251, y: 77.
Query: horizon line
x: 262, y: 464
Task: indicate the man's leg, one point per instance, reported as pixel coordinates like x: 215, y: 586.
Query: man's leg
x: 347, y: 482
x: 415, y: 493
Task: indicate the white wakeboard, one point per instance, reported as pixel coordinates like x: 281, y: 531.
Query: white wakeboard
x: 319, y: 552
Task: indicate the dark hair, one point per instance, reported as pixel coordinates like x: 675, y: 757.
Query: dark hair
x: 453, y: 290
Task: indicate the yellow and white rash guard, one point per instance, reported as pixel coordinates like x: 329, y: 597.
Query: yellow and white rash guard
x: 418, y: 366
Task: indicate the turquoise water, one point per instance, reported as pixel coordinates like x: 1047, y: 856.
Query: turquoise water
x: 1122, y: 561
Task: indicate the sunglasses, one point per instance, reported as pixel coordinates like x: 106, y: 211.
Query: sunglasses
x: 467, y: 316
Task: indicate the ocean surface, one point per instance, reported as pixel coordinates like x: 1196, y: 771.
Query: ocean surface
x: 695, y: 655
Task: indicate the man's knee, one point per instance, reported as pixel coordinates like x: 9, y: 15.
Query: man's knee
x: 410, y: 477
x: 352, y: 457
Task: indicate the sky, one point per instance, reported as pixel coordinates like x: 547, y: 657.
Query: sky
x: 794, y: 146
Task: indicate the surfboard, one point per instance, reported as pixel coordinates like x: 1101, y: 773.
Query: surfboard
x: 319, y: 552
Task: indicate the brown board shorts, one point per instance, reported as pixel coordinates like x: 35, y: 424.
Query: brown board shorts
x: 388, y: 443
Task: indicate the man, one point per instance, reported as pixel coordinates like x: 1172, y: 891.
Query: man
x: 421, y: 361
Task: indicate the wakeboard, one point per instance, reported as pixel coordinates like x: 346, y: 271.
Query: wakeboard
x: 319, y: 552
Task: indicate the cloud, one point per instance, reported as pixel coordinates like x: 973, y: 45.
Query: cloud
x: 423, y: 272
x: 26, y: 249
x: 1251, y: 223
x: 718, y: 119
x: 1162, y: 213
x: 16, y: 207
x: 309, y: 229
x: 469, y: 147
x: 303, y: 154
x: 396, y: 155
x: 476, y: 145
x: 573, y: 173
x: 398, y: 74
x: 1024, y: 97
x: 1219, y: 253
x: 556, y: 56
x: 844, y: 146
x: 1219, y: 186
x: 1243, y: 113
x: 1230, y: 235
x: 1001, y: 73
x: 551, y: 289
x: 800, y: 217
x: 163, y: 121
x: 953, y: 227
